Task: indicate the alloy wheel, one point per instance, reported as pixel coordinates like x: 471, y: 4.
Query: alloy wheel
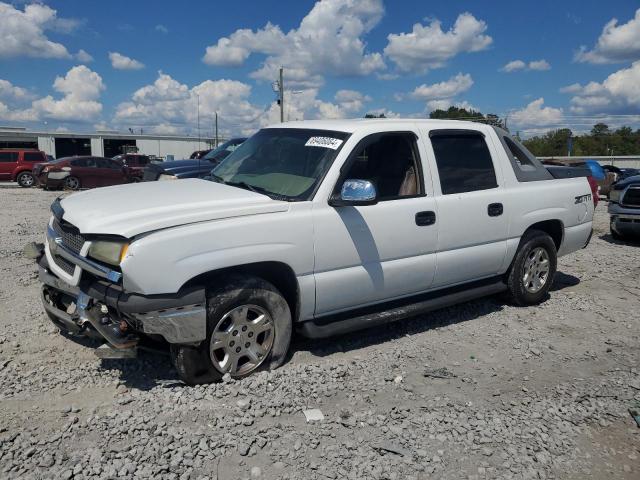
x: 242, y: 340
x: 536, y: 270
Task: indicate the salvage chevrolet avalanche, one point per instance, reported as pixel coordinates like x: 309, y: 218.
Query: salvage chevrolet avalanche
x: 320, y: 227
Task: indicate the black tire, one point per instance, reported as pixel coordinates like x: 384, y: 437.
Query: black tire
x: 531, y: 242
x: 26, y: 179
x: 72, y: 183
x: 195, y: 365
x: 615, y: 235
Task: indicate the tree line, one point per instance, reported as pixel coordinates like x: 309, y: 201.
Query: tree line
x: 601, y: 140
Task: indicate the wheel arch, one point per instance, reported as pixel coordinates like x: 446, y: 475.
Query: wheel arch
x: 16, y: 173
x: 554, y: 228
x: 279, y: 274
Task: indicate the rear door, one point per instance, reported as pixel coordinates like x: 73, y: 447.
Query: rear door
x: 109, y: 172
x: 8, y: 163
x: 472, y: 224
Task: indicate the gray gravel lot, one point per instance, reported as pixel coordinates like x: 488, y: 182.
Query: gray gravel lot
x: 481, y: 390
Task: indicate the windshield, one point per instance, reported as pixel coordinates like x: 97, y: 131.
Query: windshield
x: 223, y: 150
x: 284, y: 163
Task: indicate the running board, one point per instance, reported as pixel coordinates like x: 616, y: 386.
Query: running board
x: 338, y: 325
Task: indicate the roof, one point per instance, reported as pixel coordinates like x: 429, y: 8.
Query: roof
x: 354, y: 124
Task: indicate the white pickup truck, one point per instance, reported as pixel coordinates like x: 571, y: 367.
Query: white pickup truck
x: 319, y: 227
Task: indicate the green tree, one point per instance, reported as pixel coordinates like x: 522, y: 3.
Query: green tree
x: 457, y: 113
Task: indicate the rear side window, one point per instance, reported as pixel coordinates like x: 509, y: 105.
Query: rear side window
x: 463, y: 160
x: 8, y: 157
x: 521, y: 158
x: 33, y: 157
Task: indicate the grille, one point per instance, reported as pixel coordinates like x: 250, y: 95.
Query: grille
x: 632, y: 197
x: 71, y: 238
x: 64, y: 264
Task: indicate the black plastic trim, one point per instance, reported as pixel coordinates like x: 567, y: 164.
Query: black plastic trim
x: 393, y: 311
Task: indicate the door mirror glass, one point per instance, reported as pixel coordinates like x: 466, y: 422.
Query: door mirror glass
x: 357, y: 192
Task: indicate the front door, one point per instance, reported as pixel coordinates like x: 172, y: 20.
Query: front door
x: 368, y: 254
x: 472, y: 217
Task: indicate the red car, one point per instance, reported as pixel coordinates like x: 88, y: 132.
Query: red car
x: 17, y: 165
x: 135, y: 164
x: 74, y: 173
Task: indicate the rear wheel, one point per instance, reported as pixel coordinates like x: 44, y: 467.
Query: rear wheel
x: 533, y: 268
x: 72, y: 183
x: 26, y: 179
x: 248, y: 328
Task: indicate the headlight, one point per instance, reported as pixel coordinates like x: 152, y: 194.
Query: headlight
x: 167, y: 177
x: 108, y: 252
x: 614, y: 196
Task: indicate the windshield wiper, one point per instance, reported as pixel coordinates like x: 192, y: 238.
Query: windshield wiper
x: 246, y: 186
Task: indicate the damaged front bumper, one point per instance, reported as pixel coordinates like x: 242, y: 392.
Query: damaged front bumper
x: 100, y: 308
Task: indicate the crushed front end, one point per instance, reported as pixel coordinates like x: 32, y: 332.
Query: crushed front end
x: 84, y: 296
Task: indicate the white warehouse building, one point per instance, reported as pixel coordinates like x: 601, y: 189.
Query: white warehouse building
x: 103, y: 143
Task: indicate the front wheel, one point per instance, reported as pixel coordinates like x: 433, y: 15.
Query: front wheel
x: 72, y: 183
x: 248, y: 328
x: 26, y: 179
x: 533, y: 268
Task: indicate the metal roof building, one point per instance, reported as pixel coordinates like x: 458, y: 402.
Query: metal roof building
x: 102, y: 143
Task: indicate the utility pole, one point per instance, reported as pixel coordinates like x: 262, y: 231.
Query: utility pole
x: 281, y: 95
x: 198, y: 100
x: 216, y: 130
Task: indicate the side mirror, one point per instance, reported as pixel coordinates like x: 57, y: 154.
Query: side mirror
x: 355, y: 192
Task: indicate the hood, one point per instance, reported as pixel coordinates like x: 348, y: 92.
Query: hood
x: 184, y: 167
x: 620, y: 184
x: 135, y: 208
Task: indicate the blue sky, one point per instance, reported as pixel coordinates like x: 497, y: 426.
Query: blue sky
x: 82, y: 65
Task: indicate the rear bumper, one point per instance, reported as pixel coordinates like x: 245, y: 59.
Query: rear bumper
x: 102, y: 307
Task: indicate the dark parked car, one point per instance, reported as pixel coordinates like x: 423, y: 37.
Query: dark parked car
x: 135, y: 163
x: 624, y: 208
x: 199, y: 153
x: 193, y: 168
x: 17, y: 165
x: 74, y: 173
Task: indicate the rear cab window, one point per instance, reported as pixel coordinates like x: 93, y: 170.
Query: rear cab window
x: 463, y: 160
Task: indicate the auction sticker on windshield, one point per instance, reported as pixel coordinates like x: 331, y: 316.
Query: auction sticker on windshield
x: 325, y: 142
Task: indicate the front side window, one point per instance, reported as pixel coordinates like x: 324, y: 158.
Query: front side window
x: 284, y: 163
x: 33, y: 157
x: 390, y: 162
x: 463, y: 160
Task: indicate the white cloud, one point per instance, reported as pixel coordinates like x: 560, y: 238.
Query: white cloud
x: 122, y: 62
x: 428, y: 47
x: 518, y: 65
x: 328, y: 41
x: 161, y: 28
x: 80, y: 88
x: 169, y: 106
x: 83, y: 57
x: 539, y: 65
x: 12, y: 92
x: 446, y: 103
x: 537, y: 115
x: 618, y: 93
x: 446, y: 89
x: 22, y: 32
x: 617, y: 43
x: 513, y: 66
x: 351, y: 100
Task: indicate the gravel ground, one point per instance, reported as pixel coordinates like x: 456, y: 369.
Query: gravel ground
x: 481, y: 390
